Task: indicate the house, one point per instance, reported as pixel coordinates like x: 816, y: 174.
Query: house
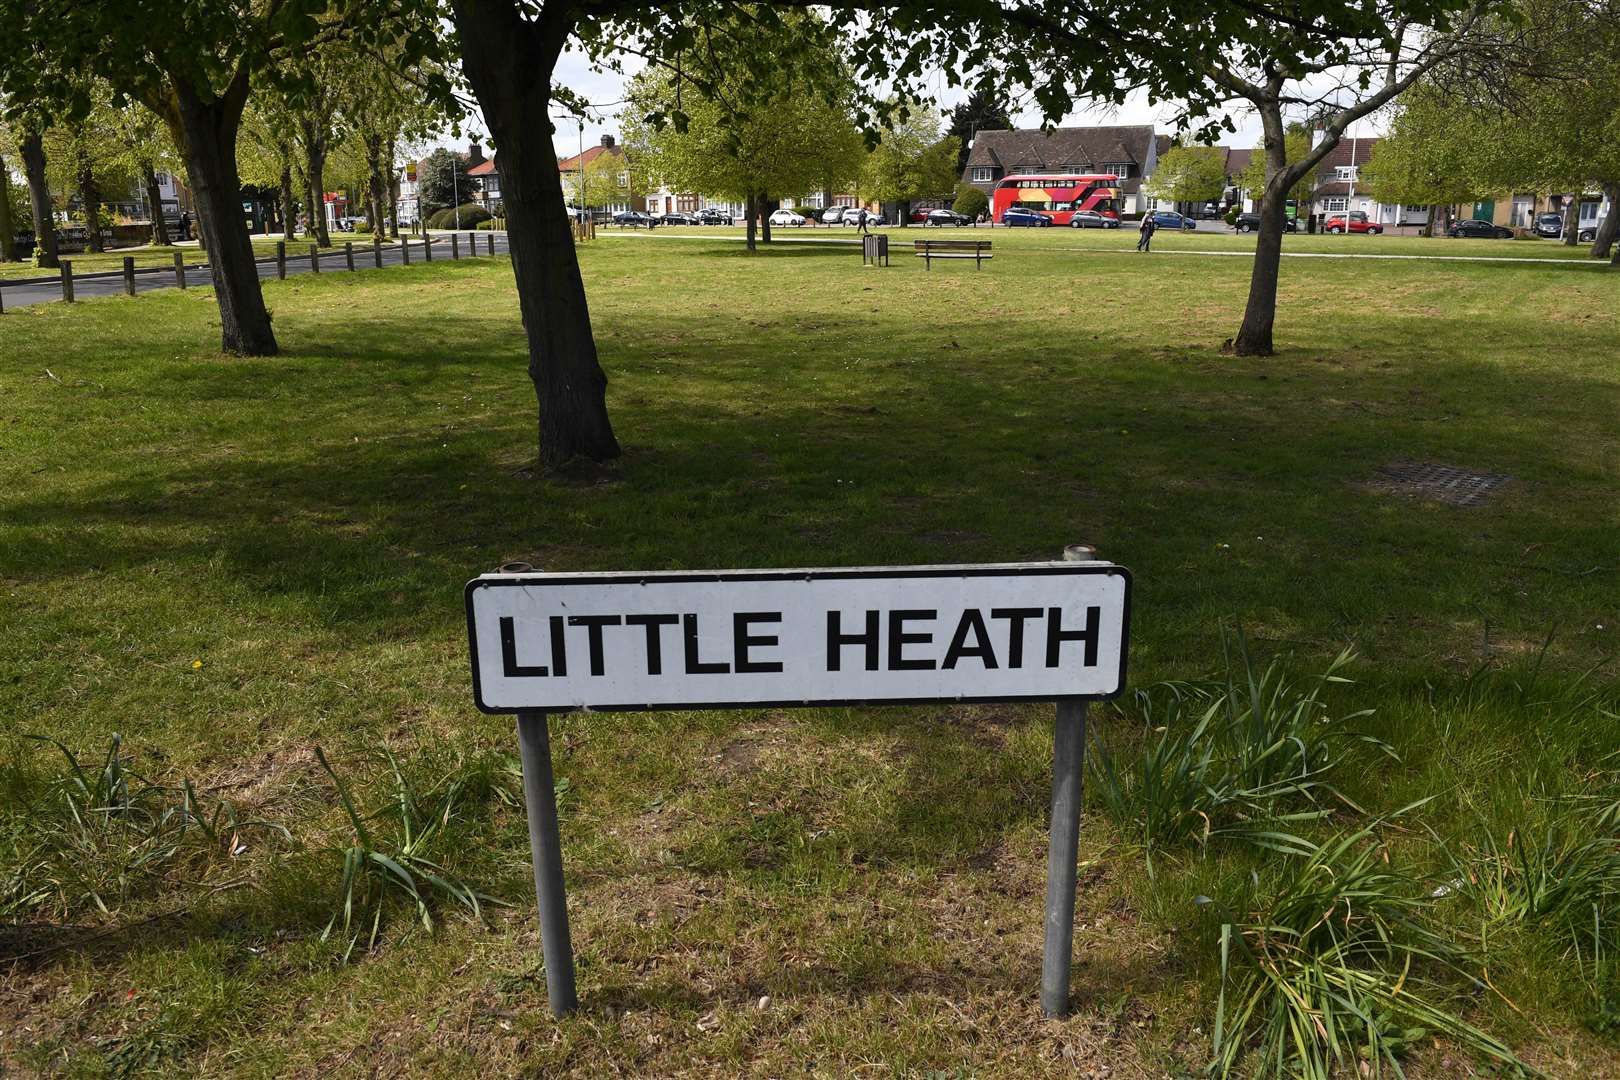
x: 579, y: 166
x: 1129, y: 152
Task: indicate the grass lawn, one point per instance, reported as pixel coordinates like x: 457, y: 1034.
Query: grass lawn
x: 1226, y: 241
x: 231, y: 562
x: 153, y: 255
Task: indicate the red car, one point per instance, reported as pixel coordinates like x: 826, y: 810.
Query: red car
x: 1358, y: 223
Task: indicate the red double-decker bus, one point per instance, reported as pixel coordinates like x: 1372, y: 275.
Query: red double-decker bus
x: 1058, y: 195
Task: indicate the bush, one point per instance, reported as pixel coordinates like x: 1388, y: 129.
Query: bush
x: 809, y: 213
x: 1231, y: 217
x: 970, y: 201
x: 470, y: 214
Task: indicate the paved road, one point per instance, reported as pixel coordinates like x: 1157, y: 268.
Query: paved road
x: 298, y: 262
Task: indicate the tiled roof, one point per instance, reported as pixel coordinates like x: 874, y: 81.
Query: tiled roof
x: 591, y: 153
x: 1091, y: 146
x: 483, y: 168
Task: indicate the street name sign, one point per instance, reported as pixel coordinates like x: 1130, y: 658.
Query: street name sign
x: 1054, y: 631
x: 995, y: 632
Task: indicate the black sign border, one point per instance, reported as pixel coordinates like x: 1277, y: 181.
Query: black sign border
x: 829, y: 574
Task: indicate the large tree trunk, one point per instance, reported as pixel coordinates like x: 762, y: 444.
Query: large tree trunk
x: 1428, y: 226
x: 206, y: 134
x: 8, y: 227
x: 374, y: 197
x: 764, y: 218
x: 393, y: 192
x: 509, y: 62
x: 1611, y: 221
x: 315, y: 150
x: 154, y: 206
x: 90, y: 194
x: 289, y: 211
x: 1254, y: 336
x: 1572, y: 221
x: 751, y: 218
x: 39, y: 202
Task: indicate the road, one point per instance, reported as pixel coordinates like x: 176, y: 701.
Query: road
x: 298, y: 262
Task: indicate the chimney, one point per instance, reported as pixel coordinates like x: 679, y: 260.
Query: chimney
x: 607, y: 141
x: 475, y: 154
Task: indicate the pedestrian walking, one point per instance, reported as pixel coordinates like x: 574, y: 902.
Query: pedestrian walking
x: 185, y: 226
x: 1144, y: 240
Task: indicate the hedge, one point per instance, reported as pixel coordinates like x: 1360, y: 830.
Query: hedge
x: 470, y: 215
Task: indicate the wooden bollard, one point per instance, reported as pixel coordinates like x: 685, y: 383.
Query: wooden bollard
x: 129, y: 275
x: 427, y: 245
x: 281, y: 259
x: 376, y: 251
x: 179, y: 270
x: 491, y: 245
x: 314, y: 258
x: 405, y: 249
x: 348, y: 253
x: 455, y: 245
x: 67, y: 281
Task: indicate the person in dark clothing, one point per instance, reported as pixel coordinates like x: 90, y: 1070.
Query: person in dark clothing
x: 1144, y: 241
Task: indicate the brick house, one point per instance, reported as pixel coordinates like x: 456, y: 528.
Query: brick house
x: 1130, y: 152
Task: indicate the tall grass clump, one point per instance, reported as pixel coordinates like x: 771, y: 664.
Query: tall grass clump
x: 95, y: 835
x: 395, y: 851
x: 1236, y: 757
x: 1339, y: 970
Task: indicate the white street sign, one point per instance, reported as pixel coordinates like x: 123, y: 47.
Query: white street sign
x: 633, y: 641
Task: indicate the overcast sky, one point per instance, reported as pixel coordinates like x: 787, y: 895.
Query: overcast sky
x: 606, y: 91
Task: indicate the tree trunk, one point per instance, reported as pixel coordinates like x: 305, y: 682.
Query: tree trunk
x: 207, y: 137
x: 8, y: 227
x: 154, y: 206
x: 39, y: 203
x: 1428, y: 226
x: 1254, y: 336
x: 1606, y: 229
x: 315, y: 148
x: 374, y: 198
x: 764, y: 218
x: 289, y: 211
x: 509, y: 62
x: 91, y: 193
x: 1572, y: 221
x: 393, y: 192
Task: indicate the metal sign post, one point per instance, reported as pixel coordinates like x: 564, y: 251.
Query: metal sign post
x: 1054, y: 631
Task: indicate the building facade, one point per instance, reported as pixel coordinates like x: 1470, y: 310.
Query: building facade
x: 1130, y: 152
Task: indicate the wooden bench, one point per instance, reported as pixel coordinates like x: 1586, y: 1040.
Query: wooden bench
x: 929, y: 250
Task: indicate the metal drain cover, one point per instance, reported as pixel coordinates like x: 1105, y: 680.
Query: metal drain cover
x: 1442, y: 483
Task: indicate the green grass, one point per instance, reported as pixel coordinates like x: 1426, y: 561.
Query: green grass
x: 302, y: 526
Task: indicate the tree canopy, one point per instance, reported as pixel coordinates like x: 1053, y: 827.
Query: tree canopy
x: 1189, y: 174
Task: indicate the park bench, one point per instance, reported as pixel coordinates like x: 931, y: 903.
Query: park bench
x: 929, y: 250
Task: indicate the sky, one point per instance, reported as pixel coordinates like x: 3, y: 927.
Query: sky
x: 606, y: 91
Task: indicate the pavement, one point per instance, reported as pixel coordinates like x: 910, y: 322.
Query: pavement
x: 86, y: 287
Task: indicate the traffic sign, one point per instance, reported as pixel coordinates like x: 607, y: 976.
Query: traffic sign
x: 992, y: 632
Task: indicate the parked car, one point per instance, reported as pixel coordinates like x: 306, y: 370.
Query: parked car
x: 833, y: 215
x: 1550, y: 225
x: 679, y: 217
x: 1090, y: 219
x: 632, y: 218
x: 1587, y: 235
x: 1477, y: 229
x: 1251, y: 223
x: 946, y: 217
x: 1169, y: 219
x: 711, y: 216
x: 1355, y: 222
x: 854, y: 215
x: 1025, y: 218
x: 784, y: 216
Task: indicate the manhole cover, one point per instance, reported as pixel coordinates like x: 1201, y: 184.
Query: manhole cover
x: 1443, y: 483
